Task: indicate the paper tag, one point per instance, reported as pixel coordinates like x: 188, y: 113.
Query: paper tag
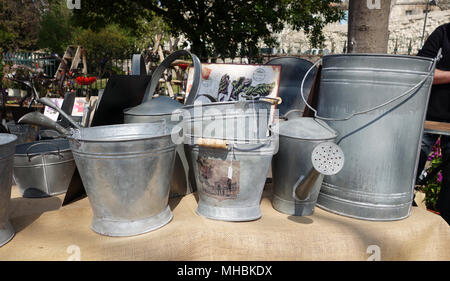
x: 230, y: 172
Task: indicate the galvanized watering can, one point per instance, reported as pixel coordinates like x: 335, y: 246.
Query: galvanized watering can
x: 7, y: 145
x: 307, y: 151
x: 378, y: 104
x: 164, y: 108
x: 230, y: 155
x: 43, y: 168
x: 126, y: 172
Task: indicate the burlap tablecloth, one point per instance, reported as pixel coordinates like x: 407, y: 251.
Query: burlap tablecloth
x: 46, y: 231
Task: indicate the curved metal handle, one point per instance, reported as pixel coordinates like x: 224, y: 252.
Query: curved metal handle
x: 47, y: 153
x: 157, y: 74
x: 370, y: 109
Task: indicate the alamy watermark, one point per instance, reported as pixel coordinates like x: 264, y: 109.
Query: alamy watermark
x: 73, y: 4
x: 373, y: 4
x: 375, y: 253
x: 239, y: 123
x: 75, y: 253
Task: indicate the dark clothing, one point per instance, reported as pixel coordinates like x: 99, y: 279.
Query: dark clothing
x: 439, y: 104
x: 439, y: 110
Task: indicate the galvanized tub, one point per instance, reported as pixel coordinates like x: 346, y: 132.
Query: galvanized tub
x: 377, y: 103
x: 43, y: 168
x: 126, y: 172
x: 230, y: 181
x: 7, y: 145
x: 292, y: 164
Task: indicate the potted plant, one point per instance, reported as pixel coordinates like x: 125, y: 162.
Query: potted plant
x: 432, y: 188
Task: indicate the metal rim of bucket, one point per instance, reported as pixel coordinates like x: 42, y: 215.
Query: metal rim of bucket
x: 224, y: 103
x: 77, y: 133
x: 406, y: 93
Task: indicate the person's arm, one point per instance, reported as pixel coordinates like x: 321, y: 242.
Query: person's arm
x: 441, y: 77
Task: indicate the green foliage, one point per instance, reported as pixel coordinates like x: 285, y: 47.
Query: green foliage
x: 103, y: 45
x: 56, y: 29
x: 20, y: 24
x: 217, y: 27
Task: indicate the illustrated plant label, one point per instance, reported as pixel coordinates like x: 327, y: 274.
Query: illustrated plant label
x: 217, y: 179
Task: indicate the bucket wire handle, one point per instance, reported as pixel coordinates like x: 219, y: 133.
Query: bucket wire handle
x: 431, y: 71
x: 47, y: 153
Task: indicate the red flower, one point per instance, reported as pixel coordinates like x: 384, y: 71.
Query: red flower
x: 81, y: 80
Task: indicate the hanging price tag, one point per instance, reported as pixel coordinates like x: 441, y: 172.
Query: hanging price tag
x: 230, y: 172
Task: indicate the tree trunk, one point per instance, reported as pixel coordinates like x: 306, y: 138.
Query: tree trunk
x: 368, y: 26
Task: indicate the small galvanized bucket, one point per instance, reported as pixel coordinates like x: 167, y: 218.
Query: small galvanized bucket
x: 126, y: 172
x: 7, y: 145
x: 43, y: 168
x: 231, y: 180
x: 292, y: 165
x: 230, y: 154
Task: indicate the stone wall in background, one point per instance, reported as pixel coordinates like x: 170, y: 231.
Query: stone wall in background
x: 405, y: 34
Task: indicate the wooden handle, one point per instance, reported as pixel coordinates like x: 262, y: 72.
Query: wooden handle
x: 274, y: 101
x: 212, y: 143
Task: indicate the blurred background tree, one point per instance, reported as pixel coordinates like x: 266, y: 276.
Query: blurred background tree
x: 216, y: 27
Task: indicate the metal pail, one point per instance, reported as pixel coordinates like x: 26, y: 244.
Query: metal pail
x: 378, y: 104
x: 126, y: 172
x: 43, y: 168
x: 230, y: 181
x: 297, y: 139
x: 7, y: 145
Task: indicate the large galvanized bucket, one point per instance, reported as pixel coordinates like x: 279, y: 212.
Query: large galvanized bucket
x: 378, y: 104
x: 126, y: 172
x: 7, y: 145
x: 292, y: 165
x: 43, y: 168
